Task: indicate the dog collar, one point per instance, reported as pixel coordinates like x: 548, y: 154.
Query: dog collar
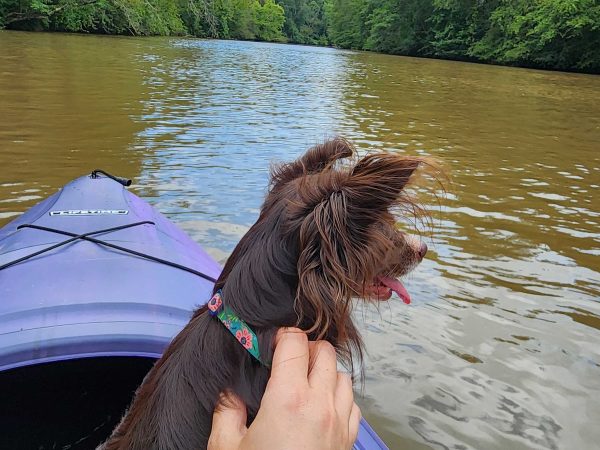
x: 236, y: 326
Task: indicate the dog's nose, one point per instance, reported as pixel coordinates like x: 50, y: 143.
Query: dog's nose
x: 422, y: 250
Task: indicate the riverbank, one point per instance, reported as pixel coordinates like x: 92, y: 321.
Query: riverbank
x: 543, y: 35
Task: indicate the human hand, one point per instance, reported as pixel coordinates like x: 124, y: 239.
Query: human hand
x: 307, y: 403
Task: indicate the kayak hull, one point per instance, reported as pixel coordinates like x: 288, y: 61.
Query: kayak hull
x: 84, y: 299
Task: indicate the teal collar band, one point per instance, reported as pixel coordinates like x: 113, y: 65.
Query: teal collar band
x: 236, y: 326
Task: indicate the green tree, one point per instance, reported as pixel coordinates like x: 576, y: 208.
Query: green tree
x: 101, y: 16
x: 305, y: 21
x: 562, y: 34
x: 207, y: 18
x: 346, y: 19
x: 399, y: 27
x: 457, y: 25
x: 269, y: 19
x: 241, y: 25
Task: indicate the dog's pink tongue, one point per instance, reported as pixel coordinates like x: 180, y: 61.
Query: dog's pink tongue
x: 397, y: 287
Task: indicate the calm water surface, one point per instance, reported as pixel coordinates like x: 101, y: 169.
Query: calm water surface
x: 501, y: 346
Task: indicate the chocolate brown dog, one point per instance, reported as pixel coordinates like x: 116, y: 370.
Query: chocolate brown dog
x: 326, y: 234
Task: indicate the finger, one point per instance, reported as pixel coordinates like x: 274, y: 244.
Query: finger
x: 353, y: 424
x: 229, y: 423
x: 344, y: 396
x: 323, y: 372
x: 291, y: 357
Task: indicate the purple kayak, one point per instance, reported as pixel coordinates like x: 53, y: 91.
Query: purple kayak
x: 94, y: 284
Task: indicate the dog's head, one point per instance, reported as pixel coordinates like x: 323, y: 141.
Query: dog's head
x: 326, y: 234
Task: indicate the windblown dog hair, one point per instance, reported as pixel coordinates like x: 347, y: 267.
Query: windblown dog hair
x: 325, y: 234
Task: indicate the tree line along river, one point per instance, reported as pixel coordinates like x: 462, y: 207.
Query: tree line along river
x: 549, y: 34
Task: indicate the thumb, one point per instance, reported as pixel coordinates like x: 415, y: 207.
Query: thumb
x: 229, y: 423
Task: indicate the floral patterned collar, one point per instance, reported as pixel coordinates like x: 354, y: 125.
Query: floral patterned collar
x: 236, y: 326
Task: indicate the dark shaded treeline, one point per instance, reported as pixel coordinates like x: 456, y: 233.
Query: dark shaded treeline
x: 549, y: 34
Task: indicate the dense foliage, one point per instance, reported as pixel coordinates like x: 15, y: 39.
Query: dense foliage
x: 229, y: 19
x: 559, y: 34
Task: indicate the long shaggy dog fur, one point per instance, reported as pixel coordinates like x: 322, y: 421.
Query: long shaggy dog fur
x: 325, y: 234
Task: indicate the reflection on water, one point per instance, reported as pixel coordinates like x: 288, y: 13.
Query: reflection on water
x: 501, y: 346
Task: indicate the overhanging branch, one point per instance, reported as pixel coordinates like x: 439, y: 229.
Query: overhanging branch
x: 36, y: 15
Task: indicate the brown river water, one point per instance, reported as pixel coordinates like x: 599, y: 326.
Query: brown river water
x: 501, y: 346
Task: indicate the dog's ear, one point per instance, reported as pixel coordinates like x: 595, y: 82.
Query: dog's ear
x: 376, y: 182
x: 314, y: 160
